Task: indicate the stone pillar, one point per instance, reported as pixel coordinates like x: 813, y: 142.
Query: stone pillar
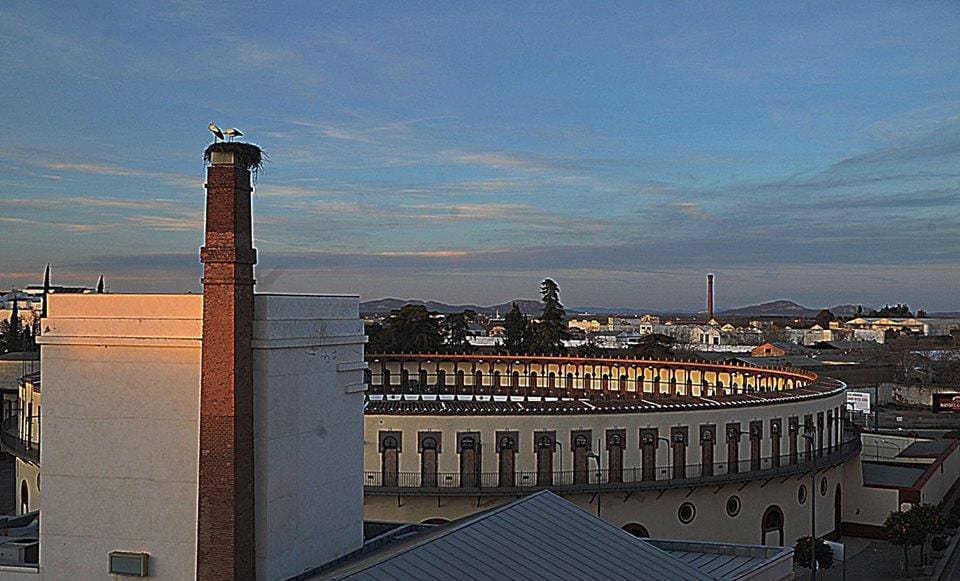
x: 226, y: 544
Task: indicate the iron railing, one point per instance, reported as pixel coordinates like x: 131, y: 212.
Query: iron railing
x: 12, y: 443
x: 627, y: 479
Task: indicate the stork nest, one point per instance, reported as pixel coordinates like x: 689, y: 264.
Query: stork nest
x: 246, y: 155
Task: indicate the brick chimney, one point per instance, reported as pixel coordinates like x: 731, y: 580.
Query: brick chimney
x: 709, y: 297
x: 226, y: 545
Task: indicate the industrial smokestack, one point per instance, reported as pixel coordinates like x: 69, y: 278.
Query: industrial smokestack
x: 226, y: 545
x: 709, y: 297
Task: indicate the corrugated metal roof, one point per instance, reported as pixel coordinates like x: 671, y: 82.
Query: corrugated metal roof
x: 541, y: 536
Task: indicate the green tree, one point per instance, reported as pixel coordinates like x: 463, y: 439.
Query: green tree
x: 11, y: 334
x: 456, y: 331
x: 653, y: 346
x: 893, y: 311
x: 928, y: 521
x: 551, y: 331
x: 901, y: 529
x: 801, y: 553
x: 412, y: 329
x: 376, y: 338
x: 518, y: 331
x: 824, y: 317
x: 590, y: 349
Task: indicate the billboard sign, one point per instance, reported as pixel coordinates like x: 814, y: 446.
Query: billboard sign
x: 946, y: 402
x: 860, y: 401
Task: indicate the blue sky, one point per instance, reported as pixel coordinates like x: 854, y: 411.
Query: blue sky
x: 808, y: 151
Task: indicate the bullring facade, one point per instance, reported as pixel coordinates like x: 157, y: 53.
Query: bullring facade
x: 674, y: 449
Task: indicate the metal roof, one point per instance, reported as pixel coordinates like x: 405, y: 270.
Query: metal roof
x: 892, y: 475
x: 726, y: 560
x: 927, y: 448
x: 541, y: 536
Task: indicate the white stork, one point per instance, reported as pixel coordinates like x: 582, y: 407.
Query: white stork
x: 217, y: 134
x: 232, y: 133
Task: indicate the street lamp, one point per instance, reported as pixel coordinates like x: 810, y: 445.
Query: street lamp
x: 596, y: 456
x: 809, y: 435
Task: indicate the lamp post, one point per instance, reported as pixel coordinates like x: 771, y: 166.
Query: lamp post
x: 596, y: 456
x: 809, y: 435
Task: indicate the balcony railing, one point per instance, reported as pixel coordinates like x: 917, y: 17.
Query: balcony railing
x: 632, y: 478
x: 12, y: 443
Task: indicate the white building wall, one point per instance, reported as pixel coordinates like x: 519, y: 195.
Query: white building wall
x: 121, y: 383
x: 308, y: 378
x: 121, y: 376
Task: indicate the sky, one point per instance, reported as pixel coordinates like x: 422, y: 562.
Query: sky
x: 464, y: 151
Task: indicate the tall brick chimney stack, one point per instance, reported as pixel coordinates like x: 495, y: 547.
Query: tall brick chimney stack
x: 226, y: 545
x: 709, y: 297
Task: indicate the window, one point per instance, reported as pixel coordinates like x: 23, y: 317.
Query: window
x: 686, y: 513
x: 823, y: 486
x: 637, y: 530
x: 802, y: 494
x: 772, y: 522
x: 733, y: 505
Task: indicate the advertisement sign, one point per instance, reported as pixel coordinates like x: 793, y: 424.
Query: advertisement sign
x: 946, y: 402
x: 860, y: 401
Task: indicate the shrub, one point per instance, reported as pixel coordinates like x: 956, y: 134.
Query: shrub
x: 939, y: 543
x: 801, y: 553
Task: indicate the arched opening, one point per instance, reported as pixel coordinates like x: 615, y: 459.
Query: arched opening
x: 837, y: 513
x: 390, y: 461
x: 637, y: 530
x: 24, y: 498
x: 428, y: 462
x: 435, y: 521
x: 772, y: 526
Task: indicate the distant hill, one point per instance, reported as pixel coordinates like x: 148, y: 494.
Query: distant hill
x: 386, y: 306
x: 785, y: 308
x: 782, y: 308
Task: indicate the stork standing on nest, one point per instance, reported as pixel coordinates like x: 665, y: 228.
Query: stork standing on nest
x: 232, y: 133
x: 217, y: 134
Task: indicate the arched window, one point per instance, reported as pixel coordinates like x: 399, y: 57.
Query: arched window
x: 428, y: 462
x: 569, y: 381
x: 587, y: 381
x: 533, y: 380
x: 772, y: 526
x: 24, y: 498
x: 637, y: 530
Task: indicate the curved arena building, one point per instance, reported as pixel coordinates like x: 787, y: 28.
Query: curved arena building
x: 672, y: 449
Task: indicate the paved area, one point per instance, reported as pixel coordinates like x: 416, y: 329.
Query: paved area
x: 866, y: 559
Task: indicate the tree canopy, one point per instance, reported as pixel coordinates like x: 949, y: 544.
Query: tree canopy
x: 410, y: 329
x: 801, y: 553
x: 518, y: 331
x: 551, y: 331
x: 456, y: 331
